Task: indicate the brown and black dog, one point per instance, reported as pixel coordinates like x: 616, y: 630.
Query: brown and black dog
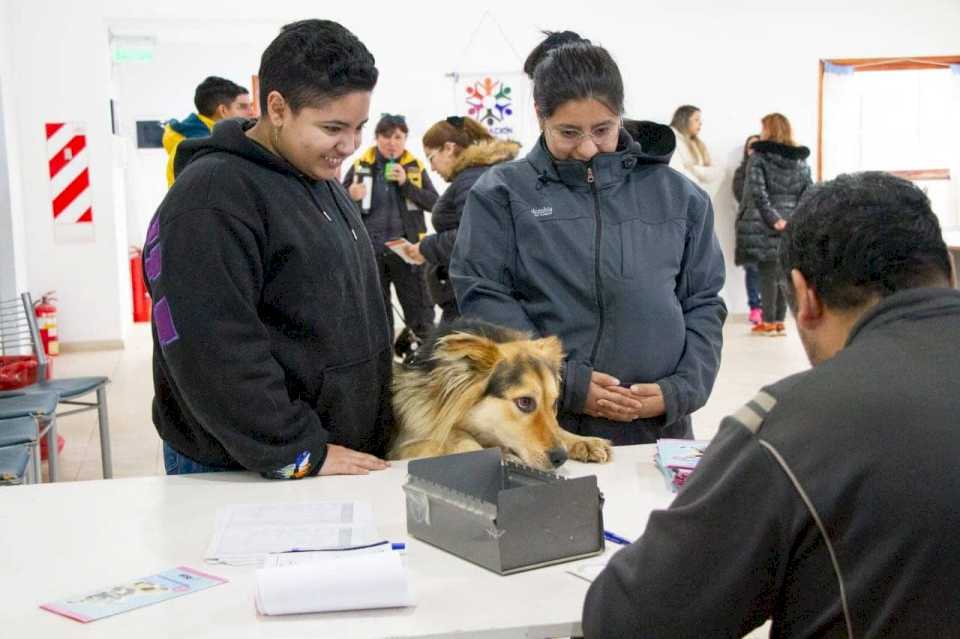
x: 474, y: 385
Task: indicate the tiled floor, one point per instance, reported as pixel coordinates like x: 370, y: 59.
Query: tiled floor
x: 748, y: 363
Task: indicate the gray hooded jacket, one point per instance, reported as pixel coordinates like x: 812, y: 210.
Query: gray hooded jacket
x: 618, y: 258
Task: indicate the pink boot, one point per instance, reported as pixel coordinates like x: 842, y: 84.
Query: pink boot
x: 756, y: 316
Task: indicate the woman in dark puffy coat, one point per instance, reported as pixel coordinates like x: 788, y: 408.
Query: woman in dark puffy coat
x: 752, y: 275
x: 460, y: 150
x: 777, y: 177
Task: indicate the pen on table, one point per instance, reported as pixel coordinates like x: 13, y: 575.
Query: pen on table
x: 395, y: 545
x: 615, y: 538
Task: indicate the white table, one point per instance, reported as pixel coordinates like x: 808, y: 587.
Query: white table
x: 60, y: 540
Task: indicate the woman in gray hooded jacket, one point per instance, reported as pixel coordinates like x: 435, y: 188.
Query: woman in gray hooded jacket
x: 591, y: 239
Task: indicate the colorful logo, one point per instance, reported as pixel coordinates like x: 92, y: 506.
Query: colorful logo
x: 489, y: 101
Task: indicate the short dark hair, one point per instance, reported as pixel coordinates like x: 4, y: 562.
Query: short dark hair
x: 553, y: 40
x: 864, y: 235
x: 577, y: 71
x: 313, y: 61
x: 213, y: 92
x: 389, y: 123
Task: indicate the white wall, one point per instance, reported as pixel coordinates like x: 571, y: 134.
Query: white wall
x: 61, y: 72
x: 735, y: 62
x: 13, y: 267
x: 160, y: 89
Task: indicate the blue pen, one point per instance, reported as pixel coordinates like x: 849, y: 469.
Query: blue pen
x: 617, y: 539
x: 393, y: 546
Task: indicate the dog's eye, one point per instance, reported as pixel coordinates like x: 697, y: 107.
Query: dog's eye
x: 526, y: 404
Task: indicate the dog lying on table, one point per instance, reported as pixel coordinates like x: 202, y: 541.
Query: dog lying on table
x: 474, y: 385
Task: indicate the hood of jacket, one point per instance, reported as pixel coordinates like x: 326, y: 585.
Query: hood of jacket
x: 484, y: 154
x: 192, y: 126
x: 778, y: 150
x: 229, y: 136
x: 655, y: 139
x: 607, y: 168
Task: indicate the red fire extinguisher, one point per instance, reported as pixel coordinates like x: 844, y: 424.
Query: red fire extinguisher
x: 141, y: 298
x: 47, y: 322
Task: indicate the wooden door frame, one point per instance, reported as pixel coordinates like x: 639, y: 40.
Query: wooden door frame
x: 916, y: 63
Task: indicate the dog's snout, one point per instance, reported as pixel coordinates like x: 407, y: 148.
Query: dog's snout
x: 557, y: 456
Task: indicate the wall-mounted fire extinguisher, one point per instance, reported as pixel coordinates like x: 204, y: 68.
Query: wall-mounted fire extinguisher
x: 47, y: 322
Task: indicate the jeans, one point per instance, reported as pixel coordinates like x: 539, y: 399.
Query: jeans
x: 772, y: 292
x: 752, y: 281
x: 177, y: 464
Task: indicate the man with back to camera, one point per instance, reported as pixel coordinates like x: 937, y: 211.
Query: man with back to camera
x: 216, y: 99
x: 393, y: 189
x: 827, y: 502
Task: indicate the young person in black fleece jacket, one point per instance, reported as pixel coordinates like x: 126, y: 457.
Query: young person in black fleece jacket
x: 271, y: 349
x: 828, y: 502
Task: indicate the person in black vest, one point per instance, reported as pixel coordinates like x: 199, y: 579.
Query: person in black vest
x: 393, y: 189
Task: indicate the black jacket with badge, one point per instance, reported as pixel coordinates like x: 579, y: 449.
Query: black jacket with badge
x: 387, y: 198
x: 832, y: 494
x: 618, y: 258
x: 254, y: 271
x: 777, y: 175
x: 437, y: 248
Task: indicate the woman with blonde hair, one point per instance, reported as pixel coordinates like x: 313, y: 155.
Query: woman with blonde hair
x: 691, y: 156
x: 777, y: 176
x: 461, y: 150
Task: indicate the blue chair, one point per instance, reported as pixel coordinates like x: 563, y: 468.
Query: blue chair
x: 19, y: 432
x: 13, y: 464
x: 40, y: 409
x: 22, y: 333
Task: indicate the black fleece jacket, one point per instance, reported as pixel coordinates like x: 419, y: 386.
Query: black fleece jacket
x: 270, y: 332
x: 827, y: 503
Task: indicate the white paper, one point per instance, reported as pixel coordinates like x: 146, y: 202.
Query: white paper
x: 294, y: 558
x: 400, y: 248
x: 589, y: 570
x: 247, y: 533
x: 368, y: 194
x: 360, y: 582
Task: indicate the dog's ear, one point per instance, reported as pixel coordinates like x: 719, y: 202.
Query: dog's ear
x: 552, y: 349
x: 482, y: 353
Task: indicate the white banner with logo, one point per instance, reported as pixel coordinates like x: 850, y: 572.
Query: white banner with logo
x: 501, y: 101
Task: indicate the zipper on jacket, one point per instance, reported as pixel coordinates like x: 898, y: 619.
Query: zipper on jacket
x: 343, y: 216
x: 596, y: 266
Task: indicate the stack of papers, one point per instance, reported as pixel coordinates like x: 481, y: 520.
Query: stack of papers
x: 677, y: 459
x: 246, y: 534
x: 334, y: 581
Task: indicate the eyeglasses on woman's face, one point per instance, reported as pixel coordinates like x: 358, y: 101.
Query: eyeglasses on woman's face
x: 572, y: 137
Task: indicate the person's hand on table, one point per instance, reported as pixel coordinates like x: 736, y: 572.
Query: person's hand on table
x: 341, y: 460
